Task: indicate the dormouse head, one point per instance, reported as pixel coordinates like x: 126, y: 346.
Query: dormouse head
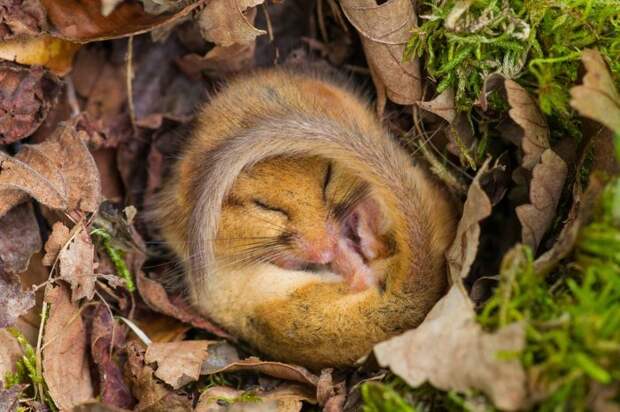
x: 301, y: 213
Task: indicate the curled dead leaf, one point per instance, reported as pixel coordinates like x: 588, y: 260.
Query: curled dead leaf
x: 59, y: 173
x: 82, y: 20
x: 597, y: 98
x: 178, y: 363
x: 546, y: 186
x: 151, y: 393
x: 276, y: 369
x: 228, y: 22
x: 50, y: 52
x: 385, y: 29
x: 531, y: 132
x: 155, y: 296
x: 26, y: 97
x: 452, y: 352
x: 461, y: 254
x: 65, y: 362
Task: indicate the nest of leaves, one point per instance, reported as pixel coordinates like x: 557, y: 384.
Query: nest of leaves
x: 512, y: 104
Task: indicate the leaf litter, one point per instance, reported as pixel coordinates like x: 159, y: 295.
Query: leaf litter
x: 117, y: 136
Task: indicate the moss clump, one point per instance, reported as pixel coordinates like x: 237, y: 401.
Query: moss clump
x: 573, y: 323
x: 538, y: 43
x: 116, y: 256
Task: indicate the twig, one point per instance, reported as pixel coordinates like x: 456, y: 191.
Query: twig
x: 129, y: 82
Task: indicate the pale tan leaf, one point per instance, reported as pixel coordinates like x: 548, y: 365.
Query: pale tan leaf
x: 65, y: 360
x: 76, y: 265
x: 284, y: 398
x: 546, y: 187
x: 55, y: 241
x: 228, y: 22
x: 276, y: 369
x: 178, y: 363
x: 452, y: 352
x: 461, y: 254
x: 385, y: 29
x: 597, y: 98
x: 442, y: 105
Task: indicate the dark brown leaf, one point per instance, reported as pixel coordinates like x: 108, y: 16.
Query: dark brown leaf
x: 106, y: 337
x: 26, y: 96
x: 65, y: 361
x: 21, y: 17
x: 19, y: 238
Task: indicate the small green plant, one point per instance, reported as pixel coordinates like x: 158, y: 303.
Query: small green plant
x: 26, y: 371
x: 116, y: 256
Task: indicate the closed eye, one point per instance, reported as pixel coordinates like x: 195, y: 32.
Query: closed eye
x: 326, y: 180
x: 270, y: 208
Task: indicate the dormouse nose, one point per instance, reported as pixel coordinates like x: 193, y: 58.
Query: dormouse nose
x: 321, y: 248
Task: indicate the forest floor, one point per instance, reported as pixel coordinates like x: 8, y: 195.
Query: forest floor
x: 514, y: 105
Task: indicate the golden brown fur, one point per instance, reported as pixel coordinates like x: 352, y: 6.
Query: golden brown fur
x: 310, y: 318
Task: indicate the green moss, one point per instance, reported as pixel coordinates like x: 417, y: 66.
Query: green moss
x: 538, y: 42
x: 116, y: 256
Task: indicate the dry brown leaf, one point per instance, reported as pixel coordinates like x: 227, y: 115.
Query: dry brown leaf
x: 76, y: 265
x: 13, y: 301
x: 151, y: 393
x: 385, y: 29
x: 228, y: 22
x: 442, y: 105
x: 49, y: 52
x: 155, y: 296
x: 461, y: 254
x: 9, y: 355
x: 65, y: 361
x: 97, y: 407
x: 106, y: 337
x: 26, y: 96
x: 82, y: 20
x: 19, y: 238
x: 21, y: 17
x: 276, y: 369
x: 597, y: 98
x: 178, y: 363
x: 531, y: 132
x: 284, y: 398
x: 580, y: 212
x: 59, y: 173
x: 452, y: 352
x: 546, y: 187
x: 55, y: 241
x: 219, y: 62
